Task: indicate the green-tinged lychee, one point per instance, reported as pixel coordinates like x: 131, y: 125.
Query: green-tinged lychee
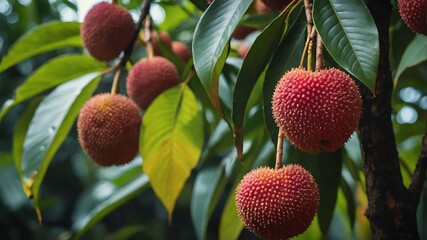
x: 276, y: 5
x: 181, y: 50
x: 107, y: 30
x: 242, y: 31
x: 108, y: 128
x: 277, y: 203
x: 243, y: 50
x: 317, y: 111
x: 165, y: 40
x: 149, y: 78
x: 414, y: 14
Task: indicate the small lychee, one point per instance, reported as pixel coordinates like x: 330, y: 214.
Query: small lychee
x: 108, y: 129
x: 276, y: 5
x: 317, y: 111
x: 242, y: 31
x: 107, y: 30
x: 149, y: 78
x: 181, y: 50
x: 414, y: 14
x: 164, y: 39
x: 261, y: 7
x: 277, y: 203
x: 243, y: 50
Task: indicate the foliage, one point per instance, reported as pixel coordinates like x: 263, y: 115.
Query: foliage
x: 198, y: 139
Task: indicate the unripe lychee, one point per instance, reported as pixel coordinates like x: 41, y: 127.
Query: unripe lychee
x: 317, y: 111
x: 277, y: 203
x: 149, y: 78
x: 414, y: 14
x: 276, y: 5
x: 107, y: 30
x: 164, y: 39
x: 108, y: 129
x: 243, y: 50
x: 181, y: 50
x: 242, y: 31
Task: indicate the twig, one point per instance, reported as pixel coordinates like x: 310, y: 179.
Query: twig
x: 307, y: 6
x: 147, y: 38
x: 319, y: 53
x: 419, y: 176
x: 279, y: 149
x: 116, y: 81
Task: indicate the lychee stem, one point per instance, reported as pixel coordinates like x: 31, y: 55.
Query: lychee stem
x: 319, y: 53
x: 114, y: 2
x: 279, y: 149
x: 307, y: 42
x: 307, y: 6
x: 147, y: 38
x: 189, y: 77
x: 116, y: 81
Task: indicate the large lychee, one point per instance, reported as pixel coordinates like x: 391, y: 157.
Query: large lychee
x: 107, y: 30
x: 317, y: 111
x: 276, y: 5
x: 181, y: 50
x: 108, y: 128
x: 149, y: 78
x: 277, y: 203
x: 164, y: 39
x: 414, y: 14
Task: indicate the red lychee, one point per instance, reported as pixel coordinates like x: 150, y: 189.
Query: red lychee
x: 414, y: 14
x: 181, y: 50
x: 243, y: 50
x: 164, y: 39
x: 277, y: 203
x: 261, y: 7
x: 107, y: 30
x: 317, y: 111
x: 242, y: 31
x: 149, y: 78
x: 108, y: 128
x: 276, y: 5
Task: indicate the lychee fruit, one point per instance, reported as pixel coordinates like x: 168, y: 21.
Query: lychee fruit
x: 261, y: 7
x: 181, y: 50
x: 276, y: 5
x: 317, y: 111
x: 108, y: 129
x: 149, y: 78
x: 277, y: 203
x: 164, y: 39
x: 242, y: 31
x: 243, y: 50
x: 107, y: 30
x: 414, y: 14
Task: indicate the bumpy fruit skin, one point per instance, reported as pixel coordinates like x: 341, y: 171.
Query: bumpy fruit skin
x: 108, y: 129
x: 243, y: 50
x: 414, y: 14
x: 107, y: 30
x: 181, y: 50
x: 276, y: 5
x: 164, y: 39
x: 149, y: 78
x: 277, y: 203
x: 317, y: 111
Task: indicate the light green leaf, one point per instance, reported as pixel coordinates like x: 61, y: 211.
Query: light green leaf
x: 210, y: 42
x: 171, y: 142
x: 49, y: 127
x: 350, y: 35
x: 415, y: 53
x: 43, y: 38
x: 120, y: 196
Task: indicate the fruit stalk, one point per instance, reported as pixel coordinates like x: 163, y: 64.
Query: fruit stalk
x: 319, y: 53
x: 116, y: 81
x: 147, y: 38
x: 279, y: 149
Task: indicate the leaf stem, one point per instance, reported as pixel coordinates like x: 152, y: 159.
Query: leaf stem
x: 189, y: 77
x: 279, y: 149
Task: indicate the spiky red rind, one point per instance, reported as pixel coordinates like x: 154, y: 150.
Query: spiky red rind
x: 277, y: 203
x: 317, y: 111
x: 107, y: 30
x: 181, y: 50
x: 276, y: 5
x: 149, y: 78
x: 108, y: 129
x: 414, y: 14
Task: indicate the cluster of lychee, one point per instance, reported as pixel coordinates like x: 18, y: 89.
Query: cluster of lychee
x: 109, y: 124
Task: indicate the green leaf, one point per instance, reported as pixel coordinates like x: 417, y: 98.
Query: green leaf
x: 287, y: 56
x: 258, y: 20
x: 209, y: 182
x: 210, y: 42
x: 415, y: 53
x: 253, y: 65
x: 171, y: 142
x: 49, y: 127
x: 53, y: 73
x: 326, y: 169
x: 43, y: 38
x: 350, y: 35
x: 120, y: 196
x: 349, y: 197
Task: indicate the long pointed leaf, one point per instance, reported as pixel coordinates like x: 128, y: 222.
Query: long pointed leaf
x: 415, y: 53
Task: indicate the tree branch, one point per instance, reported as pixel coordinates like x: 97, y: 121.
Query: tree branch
x: 419, y: 176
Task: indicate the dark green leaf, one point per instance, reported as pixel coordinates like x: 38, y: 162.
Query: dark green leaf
x: 350, y: 35
x: 46, y: 37
x: 210, y: 42
x: 287, y: 56
x: 415, y: 53
x: 349, y: 196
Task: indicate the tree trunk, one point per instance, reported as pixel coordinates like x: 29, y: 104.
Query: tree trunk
x: 391, y: 209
